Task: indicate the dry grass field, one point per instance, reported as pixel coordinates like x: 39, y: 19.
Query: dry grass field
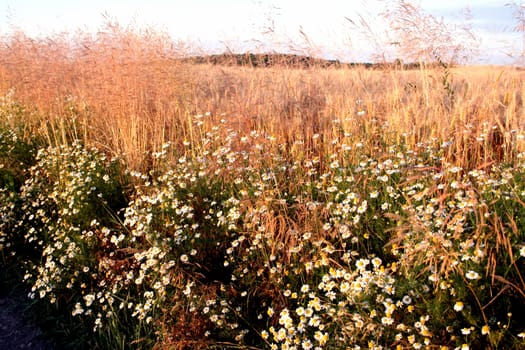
x: 151, y: 202
x: 127, y: 93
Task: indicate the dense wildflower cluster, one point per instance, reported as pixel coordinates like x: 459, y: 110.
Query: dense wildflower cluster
x: 351, y: 249
x: 67, y: 191
x: 8, y: 202
x: 16, y: 155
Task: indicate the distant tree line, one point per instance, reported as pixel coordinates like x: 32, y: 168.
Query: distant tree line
x: 291, y: 60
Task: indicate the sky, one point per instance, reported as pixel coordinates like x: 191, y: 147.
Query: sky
x: 320, y: 27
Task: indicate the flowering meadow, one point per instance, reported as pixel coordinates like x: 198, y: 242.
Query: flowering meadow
x: 362, y: 231
x: 237, y: 244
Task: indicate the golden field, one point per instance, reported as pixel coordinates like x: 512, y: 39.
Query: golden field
x: 130, y: 95
x: 151, y: 202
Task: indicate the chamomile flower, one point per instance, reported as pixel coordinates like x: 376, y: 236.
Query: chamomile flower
x: 472, y: 275
x: 458, y: 306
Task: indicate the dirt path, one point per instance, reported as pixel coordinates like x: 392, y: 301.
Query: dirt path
x: 16, y: 332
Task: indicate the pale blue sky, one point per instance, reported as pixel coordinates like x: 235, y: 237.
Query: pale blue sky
x: 241, y: 24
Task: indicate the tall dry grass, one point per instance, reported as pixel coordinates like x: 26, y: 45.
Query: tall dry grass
x: 124, y: 90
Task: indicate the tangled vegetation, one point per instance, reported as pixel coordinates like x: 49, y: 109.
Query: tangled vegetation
x: 396, y: 221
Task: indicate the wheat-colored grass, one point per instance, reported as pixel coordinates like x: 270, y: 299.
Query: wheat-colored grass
x: 125, y: 91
